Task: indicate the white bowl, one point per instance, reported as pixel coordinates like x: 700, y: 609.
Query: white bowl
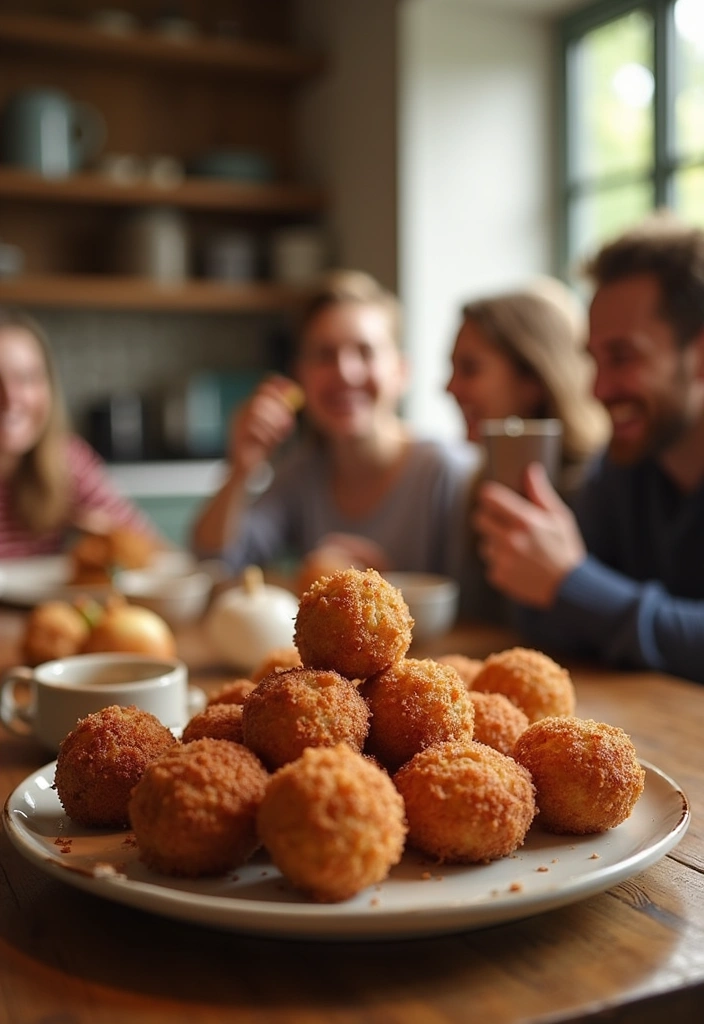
x: 177, y: 597
x: 433, y: 601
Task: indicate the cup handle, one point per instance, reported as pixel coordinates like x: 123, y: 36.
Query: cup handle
x: 17, y: 717
x: 196, y: 700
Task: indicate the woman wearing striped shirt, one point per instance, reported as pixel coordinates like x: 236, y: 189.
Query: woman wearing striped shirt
x: 50, y: 480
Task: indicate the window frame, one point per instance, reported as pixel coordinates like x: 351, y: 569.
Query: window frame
x: 665, y: 163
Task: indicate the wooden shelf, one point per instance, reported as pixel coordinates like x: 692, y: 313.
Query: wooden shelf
x: 115, y: 293
x: 72, y: 38
x: 195, y: 193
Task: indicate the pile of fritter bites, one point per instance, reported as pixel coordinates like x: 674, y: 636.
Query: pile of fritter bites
x: 343, y: 750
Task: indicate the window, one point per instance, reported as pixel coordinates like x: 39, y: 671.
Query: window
x: 633, y: 117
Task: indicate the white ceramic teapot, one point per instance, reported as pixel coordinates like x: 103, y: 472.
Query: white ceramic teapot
x: 246, y: 623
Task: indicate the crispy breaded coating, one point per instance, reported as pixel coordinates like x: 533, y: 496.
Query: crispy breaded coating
x: 194, y: 810
x: 531, y: 679
x: 354, y: 622
x: 466, y: 802
x: 233, y: 692
x: 54, y: 629
x: 497, y: 721
x: 281, y: 657
x: 414, y: 704
x: 218, y: 721
x: 102, y: 759
x: 586, y: 773
x: 332, y: 822
x: 302, y: 707
x: 467, y: 668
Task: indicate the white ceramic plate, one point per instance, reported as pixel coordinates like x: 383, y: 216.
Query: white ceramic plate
x: 417, y: 899
x: 31, y: 581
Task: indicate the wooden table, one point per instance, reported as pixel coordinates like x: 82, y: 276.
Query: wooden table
x: 634, y: 954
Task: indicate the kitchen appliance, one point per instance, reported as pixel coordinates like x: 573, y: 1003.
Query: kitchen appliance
x: 44, y: 130
x: 117, y: 427
x: 196, y: 412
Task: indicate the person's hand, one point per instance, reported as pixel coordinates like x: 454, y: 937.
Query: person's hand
x: 263, y: 422
x: 360, y: 552
x: 340, y: 551
x: 529, y: 546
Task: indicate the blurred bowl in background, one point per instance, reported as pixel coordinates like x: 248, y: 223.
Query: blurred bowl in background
x: 178, y: 598
x: 433, y: 601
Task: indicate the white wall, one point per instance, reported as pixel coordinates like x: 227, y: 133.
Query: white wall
x: 475, y: 112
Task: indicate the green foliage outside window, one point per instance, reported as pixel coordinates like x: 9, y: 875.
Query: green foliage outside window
x: 634, y: 117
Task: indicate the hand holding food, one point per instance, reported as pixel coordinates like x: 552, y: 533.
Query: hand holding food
x: 263, y: 422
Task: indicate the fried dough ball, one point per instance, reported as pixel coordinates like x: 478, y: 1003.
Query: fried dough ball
x: 532, y: 680
x: 414, y: 704
x: 194, y: 810
x: 218, y: 721
x: 233, y: 692
x: 97, y: 554
x: 353, y: 622
x: 102, y: 759
x: 586, y: 773
x: 467, y: 668
x: 54, y: 629
x: 282, y: 657
x: 497, y: 722
x: 301, y: 707
x: 465, y: 802
x: 332, y: 822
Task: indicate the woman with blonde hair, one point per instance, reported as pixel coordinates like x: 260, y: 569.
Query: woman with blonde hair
x: 50, y: 479
x: 522, y: 353
x: 356, y: 483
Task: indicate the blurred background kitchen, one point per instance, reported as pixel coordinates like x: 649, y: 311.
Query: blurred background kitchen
x: 173, y: 175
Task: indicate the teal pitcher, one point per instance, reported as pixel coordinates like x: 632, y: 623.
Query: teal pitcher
x: 45, y: 131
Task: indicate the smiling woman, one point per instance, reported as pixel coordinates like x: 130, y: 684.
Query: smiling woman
x: 50, y: 479
x: 355, y: 488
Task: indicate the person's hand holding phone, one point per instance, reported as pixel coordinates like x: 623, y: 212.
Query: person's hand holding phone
x: 529, y: 544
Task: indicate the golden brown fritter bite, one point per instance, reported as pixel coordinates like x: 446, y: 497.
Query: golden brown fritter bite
x: 233, y: 692
x: 467, y: 668
x: 465, y: 802
x: 353, y: 622
x: 532, y: 680
x: 194, y: 810
x: 282, y: 657
x: 497, y: 722
x: 102, y: 759
x: 97, y: 554
x: 414, y: 704
x: 54, y: 629
x: 586, y: 773
x: 332, y: 822
x: 302, y: 707
x: 218, y: 721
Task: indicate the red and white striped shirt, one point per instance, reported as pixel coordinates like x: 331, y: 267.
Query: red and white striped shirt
x: 90, y: 489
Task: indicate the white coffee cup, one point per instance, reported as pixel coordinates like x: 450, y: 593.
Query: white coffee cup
x: 513, y: 443
x: 62, y: 691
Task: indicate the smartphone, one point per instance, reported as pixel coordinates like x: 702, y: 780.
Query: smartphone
x: 513, y: 443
